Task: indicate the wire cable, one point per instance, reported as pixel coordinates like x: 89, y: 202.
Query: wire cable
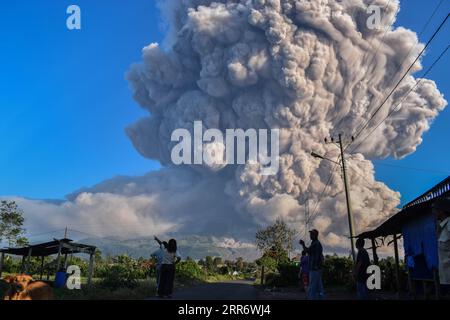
x: 329, y: 181
x: 402, y: 100
x: 401, y: 79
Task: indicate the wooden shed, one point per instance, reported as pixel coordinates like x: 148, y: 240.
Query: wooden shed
x: 416, y: 223
x: 60, y: 247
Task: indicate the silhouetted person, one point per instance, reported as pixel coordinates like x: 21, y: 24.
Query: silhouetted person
x: 304, y: 271
x: 360, y: 270
x: 158, y: 255
x: 315, y: 252
x: 167, y: 277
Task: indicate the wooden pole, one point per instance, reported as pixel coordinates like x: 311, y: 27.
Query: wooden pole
x: 397, y: 264
x: 91, y: 268
x: 411, y: 284
x: 374, y: 251
x: 425, y: 290
x: 437, y: 284
x: 42, y: 267
x: 27, y: 265
x: 262, y: 275
x: 22, y: 265
x: 2, y: 259
x: 348, y: 200
x: 58, y: 259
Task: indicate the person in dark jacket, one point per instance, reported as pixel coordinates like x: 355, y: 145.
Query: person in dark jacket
x: 315, y: 253
x: 360, y: 271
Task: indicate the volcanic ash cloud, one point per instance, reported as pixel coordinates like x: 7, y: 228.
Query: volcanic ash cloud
x: 311, y: 69
x: 308, y: 68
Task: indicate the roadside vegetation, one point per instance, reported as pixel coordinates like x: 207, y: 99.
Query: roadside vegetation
x: 275, y: 242
x: 123, y: 277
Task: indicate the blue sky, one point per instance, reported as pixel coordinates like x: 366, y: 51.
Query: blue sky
x: 65, y: 102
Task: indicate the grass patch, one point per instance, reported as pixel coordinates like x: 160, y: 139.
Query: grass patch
x: 142, y: 290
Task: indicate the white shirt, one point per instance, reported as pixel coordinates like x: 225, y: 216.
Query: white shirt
x: 169, y: 258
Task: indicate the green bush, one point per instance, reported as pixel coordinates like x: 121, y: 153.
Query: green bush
x: 11, y: 265
x: 125, y: 273
x: 337, y: 271
x: 388, y: 275
x: 287, y: 275
x: 189, y: 270
x: 224, y: 270
x: 272, y: 280
x: 269, y: 263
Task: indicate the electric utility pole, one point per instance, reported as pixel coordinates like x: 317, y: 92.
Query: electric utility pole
x: 306, y: 216
x: 348, y: 199
x: 340, y: 144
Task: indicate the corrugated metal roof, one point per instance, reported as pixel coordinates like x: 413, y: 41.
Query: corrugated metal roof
x: 419, y: 206
x: 49, y: 248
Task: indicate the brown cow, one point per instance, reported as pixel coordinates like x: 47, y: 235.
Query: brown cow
x: 23, y: 287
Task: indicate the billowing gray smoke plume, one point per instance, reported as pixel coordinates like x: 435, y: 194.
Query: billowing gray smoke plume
x: 312, y: 69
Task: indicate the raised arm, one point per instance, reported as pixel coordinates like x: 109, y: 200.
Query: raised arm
x: 157, y: 240
x: 302, y: 243
x: 177, y: 257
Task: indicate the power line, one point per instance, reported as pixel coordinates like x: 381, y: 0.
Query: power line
x: 85, y: 233
x: 410, y: 50
x: 401, y: 79
x: 365, y: 125
x: 411, y: 168
x: 369, y: 184
x: 43, y: 233
x: 403, y: 99
x: 330, y: 179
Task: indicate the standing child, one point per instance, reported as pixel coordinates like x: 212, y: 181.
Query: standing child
x: 304, y: 271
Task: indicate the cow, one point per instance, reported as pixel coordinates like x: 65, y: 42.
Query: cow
x: 23, y: 287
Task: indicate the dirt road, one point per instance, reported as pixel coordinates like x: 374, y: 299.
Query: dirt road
x: 228, y: 290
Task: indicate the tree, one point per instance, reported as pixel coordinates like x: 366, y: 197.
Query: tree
x: 209, y: 263
x: 276, y: 240
x: 217, y: 261
x: 239, y: 264
x: 11, y: 224
x: 269, y: 263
